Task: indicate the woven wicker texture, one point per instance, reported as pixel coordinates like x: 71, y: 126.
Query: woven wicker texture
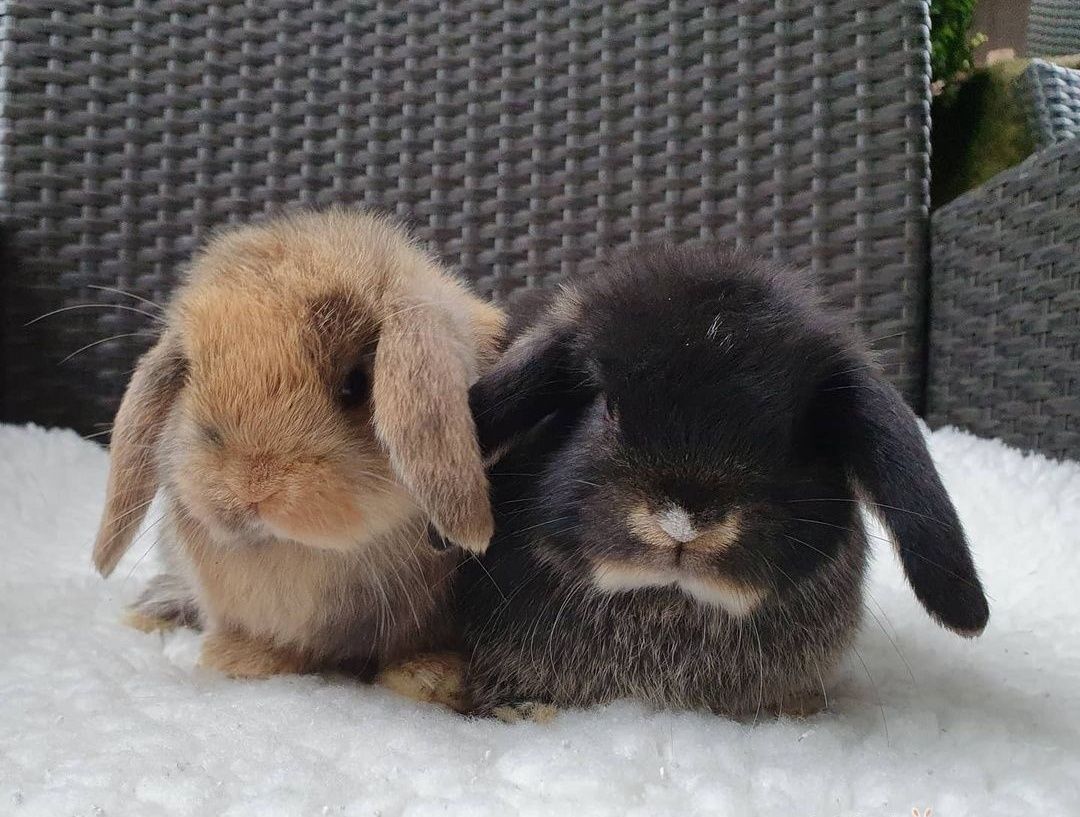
x: 1053, y: 28
x: 522, y: 139
x: 1054, y: 97
x: 1005, y: 308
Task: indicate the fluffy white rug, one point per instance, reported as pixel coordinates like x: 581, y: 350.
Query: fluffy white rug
x: 98, y: 720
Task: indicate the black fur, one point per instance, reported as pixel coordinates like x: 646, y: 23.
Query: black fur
x: 712, y: 382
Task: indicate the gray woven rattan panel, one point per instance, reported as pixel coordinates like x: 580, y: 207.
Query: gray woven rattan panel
x: 1053, y: 28
x: 1054, y: 97
x: 1005, y: 309
x: 522, y: 139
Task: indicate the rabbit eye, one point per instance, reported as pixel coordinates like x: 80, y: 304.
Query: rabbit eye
x: 355, y: 389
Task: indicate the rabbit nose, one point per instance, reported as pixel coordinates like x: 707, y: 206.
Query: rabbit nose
x: 676, y: 523
x: 254, y: 493
x: 260, y: 482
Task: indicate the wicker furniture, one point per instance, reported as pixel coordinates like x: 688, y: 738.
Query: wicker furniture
x: 1053, y: 93
x: 1005, y: 307
x: 520, y: 138
x: 1053, y: 28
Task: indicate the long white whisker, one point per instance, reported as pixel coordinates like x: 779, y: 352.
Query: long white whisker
x: 122, y: 307
x: 146, y: 301
x: 98, y: 343
x: 877, y: 693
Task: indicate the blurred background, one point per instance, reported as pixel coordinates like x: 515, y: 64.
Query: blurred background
x: 918, y: 158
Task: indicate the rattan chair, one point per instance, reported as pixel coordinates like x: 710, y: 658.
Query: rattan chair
x: 1053, y: 28
x: 523, y: 140
x: 1053, y: 95
x: 1005, y: 308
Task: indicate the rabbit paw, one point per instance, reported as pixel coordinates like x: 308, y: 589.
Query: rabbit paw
x: 800, y: 705
x: 145, y: 623
x: 530, y: 711
x: 164, y: 605
x: 432, y: 678
x: 242, y: 656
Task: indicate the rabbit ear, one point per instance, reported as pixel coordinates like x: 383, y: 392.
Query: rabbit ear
x: 892, y: 466
x: 536, y: 376
x: 133, y: 478
x: 421, y: 414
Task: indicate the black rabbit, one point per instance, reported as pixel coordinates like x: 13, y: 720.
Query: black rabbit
x: 682, y: 441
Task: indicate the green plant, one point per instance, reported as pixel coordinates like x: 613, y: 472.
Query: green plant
x: 951, y: 43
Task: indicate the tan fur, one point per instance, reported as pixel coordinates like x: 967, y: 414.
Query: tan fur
x: 489, y: 322
x: 137, y: 432
x: 148, y: 624
x: 239, y: 655
x: 298, y: 524
x: 738, y: 599
x: 526, y: 712
x: 716, y: 539
x: 437, y: 678
x: 444, y: 469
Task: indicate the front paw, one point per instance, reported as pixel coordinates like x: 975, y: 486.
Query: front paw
x: 242, y: 656
x: 525, y: 711
x: 432, y: 678
x: 799, y: 705
x: 149, y: 624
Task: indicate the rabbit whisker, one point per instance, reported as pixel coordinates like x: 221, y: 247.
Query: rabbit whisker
x: 761, y: 669
x: 848, y: 528
x: 146, y: 301
x: 806, y: 544
x: 122, y: 307
x: 487, y: 573
x: 82, y: 349
x: 135, y: 509
x: 821, y: 680
x: 877, y: 693
x: 546, y: 522
x: 146, y: 552
x: 892, y: 641
x: 868, y: 502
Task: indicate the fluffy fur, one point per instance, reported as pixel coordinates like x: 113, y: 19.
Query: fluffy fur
x: 305, y: 413
x: 686, y: 436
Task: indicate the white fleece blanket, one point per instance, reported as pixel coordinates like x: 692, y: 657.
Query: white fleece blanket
x: 100, y: 720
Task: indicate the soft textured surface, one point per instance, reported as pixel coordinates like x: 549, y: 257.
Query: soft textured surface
x: 523, y: 141
x: 97, y: 719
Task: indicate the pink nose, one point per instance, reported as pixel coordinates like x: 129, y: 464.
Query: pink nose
x: 254, y: 493
x: 257, y: 480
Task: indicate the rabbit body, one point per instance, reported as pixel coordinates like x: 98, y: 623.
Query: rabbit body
x: 305, y: 415
x: 682, y: 441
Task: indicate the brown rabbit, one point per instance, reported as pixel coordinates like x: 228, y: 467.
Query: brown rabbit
x: 305, y: 415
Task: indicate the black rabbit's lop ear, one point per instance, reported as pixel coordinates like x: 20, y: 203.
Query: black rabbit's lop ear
x: 538, y: 375
x: 892, y: 466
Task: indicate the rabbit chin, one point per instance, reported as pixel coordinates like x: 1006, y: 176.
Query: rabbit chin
x: 736, y: 599
x: 353, y: 530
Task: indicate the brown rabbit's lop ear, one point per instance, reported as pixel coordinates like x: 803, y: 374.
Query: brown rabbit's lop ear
x: 133, y: 478
x: 420, y: 396
x: 892, y: 466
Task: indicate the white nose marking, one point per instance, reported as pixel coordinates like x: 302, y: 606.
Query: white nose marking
x: 675, y: 522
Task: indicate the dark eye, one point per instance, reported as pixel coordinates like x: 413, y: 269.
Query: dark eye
x: 212, y: 436
x: 355, y: 389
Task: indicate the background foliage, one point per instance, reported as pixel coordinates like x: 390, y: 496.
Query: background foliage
x: 951, y: 42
